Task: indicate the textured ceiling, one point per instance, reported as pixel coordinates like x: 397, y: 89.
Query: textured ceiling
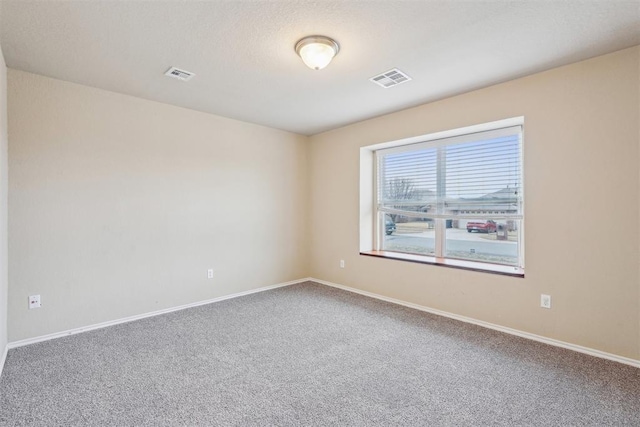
x: 246, y: 68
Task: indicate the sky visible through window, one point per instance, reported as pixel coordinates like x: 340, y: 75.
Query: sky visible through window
x: 474, y: 170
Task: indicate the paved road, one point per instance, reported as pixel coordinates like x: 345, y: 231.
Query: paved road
x: 459, y: 240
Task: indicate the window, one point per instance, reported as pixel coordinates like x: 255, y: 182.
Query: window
x: 455, y: 201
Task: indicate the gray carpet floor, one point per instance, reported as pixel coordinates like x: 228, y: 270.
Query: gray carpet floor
x: 308, y: 355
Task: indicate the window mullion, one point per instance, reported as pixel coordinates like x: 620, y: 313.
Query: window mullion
x: 441, y: 192
x: 378, y: 220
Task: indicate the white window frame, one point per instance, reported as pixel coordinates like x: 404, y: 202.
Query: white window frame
x: 372, y: 224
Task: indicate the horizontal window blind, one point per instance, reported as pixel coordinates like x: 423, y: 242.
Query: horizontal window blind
x: 477, y: 174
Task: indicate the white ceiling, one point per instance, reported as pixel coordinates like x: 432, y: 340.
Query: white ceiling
x: 246, y: 68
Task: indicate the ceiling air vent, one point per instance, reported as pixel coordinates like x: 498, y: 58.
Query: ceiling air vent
x: 179, y: 74
x: 390, y: 78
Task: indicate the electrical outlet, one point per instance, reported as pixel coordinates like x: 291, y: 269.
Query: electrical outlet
x: 545, y: 301
x: 341, y: 263
x: 210, y: 273
x: 34, y: 301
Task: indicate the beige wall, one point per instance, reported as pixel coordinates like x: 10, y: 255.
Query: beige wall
x: 3, y: 206
x: 118, y: 206
x: 582, y: 206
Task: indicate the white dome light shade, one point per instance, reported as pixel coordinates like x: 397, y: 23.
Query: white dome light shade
x: 317, y: 51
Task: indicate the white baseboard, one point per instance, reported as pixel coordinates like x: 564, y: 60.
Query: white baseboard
x: 3, y: 358
x: 534, y: 337
x: 47, y: 337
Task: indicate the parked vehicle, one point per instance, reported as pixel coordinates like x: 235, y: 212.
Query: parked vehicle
x: 487, y: 226
x: 389, y: 226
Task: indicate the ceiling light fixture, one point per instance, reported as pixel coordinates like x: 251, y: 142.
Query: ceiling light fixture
x: 317, y: 51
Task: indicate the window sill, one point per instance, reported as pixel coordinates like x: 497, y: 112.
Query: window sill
x: 452, y: 263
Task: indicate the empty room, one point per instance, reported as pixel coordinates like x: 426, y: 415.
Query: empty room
x: 297, y: 212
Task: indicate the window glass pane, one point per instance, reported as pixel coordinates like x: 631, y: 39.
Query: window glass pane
x: 483, y: 240
x: 408, y: 180
x: 449, y: 182
x: 484, y: 175
x: 409, y: 235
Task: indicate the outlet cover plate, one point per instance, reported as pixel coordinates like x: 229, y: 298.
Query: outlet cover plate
x: 545, y: 301
x: 34, y: 301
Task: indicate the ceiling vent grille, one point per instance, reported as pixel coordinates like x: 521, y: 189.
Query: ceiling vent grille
x: 179, y: 74
x: 390, y: 78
